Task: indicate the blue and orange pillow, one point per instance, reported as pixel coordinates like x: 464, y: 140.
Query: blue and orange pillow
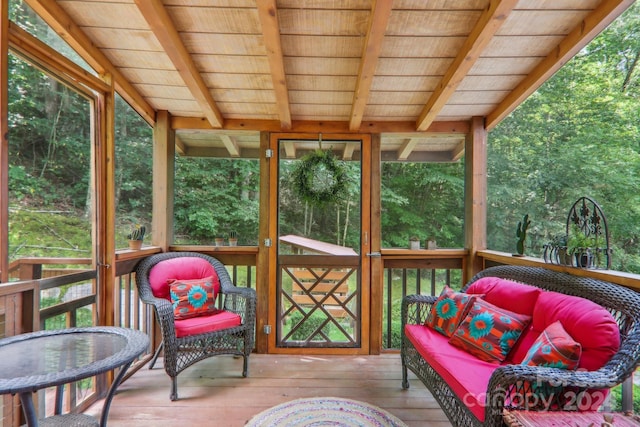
x: 554, y: 348
x: 488, y: 331
x: 194, y: 297
x: 448, y: 310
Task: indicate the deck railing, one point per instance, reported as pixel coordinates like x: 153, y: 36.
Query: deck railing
x: 65, y: 291
x: 409, y: 272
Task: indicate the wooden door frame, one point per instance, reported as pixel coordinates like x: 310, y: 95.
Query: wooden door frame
x: 365, y: 246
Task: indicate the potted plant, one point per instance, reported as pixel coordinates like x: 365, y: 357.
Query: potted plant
x: 414, y: 242
x: 431, y: 243
x: 136, y: 236
x: 219, y: 240
x: 581, y: 246
x: 233, y: 238
x: 559, y: 245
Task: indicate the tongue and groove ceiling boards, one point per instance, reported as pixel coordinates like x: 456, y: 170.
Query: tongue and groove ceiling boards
x: 415, y: 71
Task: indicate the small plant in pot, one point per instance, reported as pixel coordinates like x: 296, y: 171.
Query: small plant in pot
x: 581, y: 247
x: 136, y: 236
x: 233, y: 238
x: 414, y: 242
x: 219, y: 240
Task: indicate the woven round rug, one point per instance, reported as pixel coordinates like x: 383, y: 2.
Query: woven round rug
x: 325, y: 411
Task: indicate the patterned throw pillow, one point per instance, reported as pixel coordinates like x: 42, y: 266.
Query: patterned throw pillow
x: 195, y: 297
x: 554, y: 348
x: 488, y: 331
x: 448, y: 310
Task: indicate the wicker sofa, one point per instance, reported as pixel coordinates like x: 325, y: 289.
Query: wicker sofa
x: 490, y: 388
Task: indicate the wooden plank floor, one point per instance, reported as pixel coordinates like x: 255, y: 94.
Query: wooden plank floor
x: 213, y: 392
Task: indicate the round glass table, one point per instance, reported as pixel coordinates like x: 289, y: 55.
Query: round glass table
x: 42, y: 359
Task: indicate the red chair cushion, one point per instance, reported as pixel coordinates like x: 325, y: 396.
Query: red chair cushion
x: 179, y: 268
x: 217, y: 321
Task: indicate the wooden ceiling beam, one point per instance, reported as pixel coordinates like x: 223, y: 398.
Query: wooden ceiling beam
x: 165, y: 31
x: 181, y: 147
x: 579, y: 37
x: 349, y: 149
x: 407, y: 147
x: 41, y: 55
x: 289, y: 149
x: 230, y: 144
x: 64, y: 26
x: 268, y: 15
x: 302, y: 126
x: 380, y: 12
x: 487, y: 26
x: 458, y: 152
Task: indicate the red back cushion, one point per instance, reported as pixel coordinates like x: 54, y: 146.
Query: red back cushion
x: 180, y: 268
x: 586, y: 322
x: 514, y: 296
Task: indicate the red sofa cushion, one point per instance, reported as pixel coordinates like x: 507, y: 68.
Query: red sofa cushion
x: 513, y: 296
x: 470, y: 383
x: 587, y: 322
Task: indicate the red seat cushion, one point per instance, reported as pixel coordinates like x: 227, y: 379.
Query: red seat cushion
x: 221, y: 319
x: 467, y: 375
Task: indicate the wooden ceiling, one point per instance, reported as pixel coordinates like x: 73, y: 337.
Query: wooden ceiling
x: 415, y: 71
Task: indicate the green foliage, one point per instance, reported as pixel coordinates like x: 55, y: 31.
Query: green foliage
x: 616, y: 399
x: 48, y: 234
x: 319, y: 178
x: 578, y: 135
x: 424, y: 199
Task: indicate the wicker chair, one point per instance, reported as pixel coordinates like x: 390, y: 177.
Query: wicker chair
x: 182, y: 352
x: 622, y: 303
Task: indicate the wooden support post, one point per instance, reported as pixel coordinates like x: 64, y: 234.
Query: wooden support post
x: 475, y: 218
x: 4, y: 142
x: 103, y: 183
x: 377, y: 267
x: 164, y: 150
x: 265, y: 272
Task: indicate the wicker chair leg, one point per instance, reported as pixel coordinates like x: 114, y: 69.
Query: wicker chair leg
x: 156, y: 354
x: 174, y: 389
x: 405, y: 377
x: 245, y: 366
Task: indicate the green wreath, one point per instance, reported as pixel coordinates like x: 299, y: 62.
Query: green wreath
x: 319, y: 178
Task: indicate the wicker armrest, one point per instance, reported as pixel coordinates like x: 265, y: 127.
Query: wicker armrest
x: 241, y: 301
x: 508, y: 375
x: 415, y: 309
x: 543, y: 388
